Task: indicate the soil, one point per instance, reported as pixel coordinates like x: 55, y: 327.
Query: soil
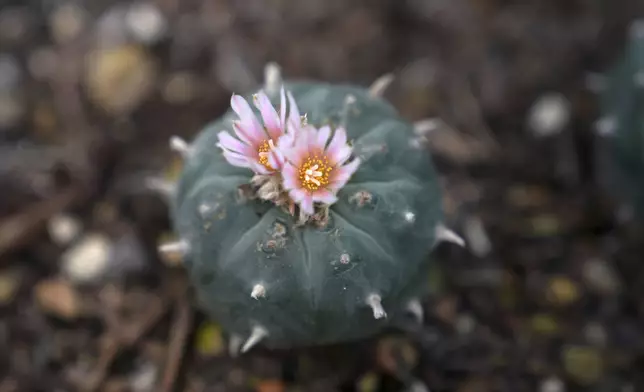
x: 547, y: 295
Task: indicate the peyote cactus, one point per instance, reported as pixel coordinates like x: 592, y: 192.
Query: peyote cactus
x: 622, y: 105
x: 309, y: 220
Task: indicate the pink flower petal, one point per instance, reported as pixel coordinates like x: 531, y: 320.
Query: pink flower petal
x: 227, y: 142
x: 294, y: 112
x: 323, y: 136
x: 283, y: 107
x: 298, y: 152
x: 340, y: 156
x: 307, y: 204
x: 276, y: 158
x: 341, y: 175
x: 236, y: 159
x: 249, y: 123
x: 249, y: 137
x: 337, y: 143
x: 324, y: 196
x: 259, y: 168
x: 269, y: 115
x: 289, y: 177
x: 297, y: 195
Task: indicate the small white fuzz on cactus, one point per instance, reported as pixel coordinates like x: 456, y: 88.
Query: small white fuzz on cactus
x: 445, y: 234
x: 180, y: 146
x: 410, y: 217
x: 379, y: 86
x: 415, y: 307
x: 272, y: 78
x: 257, y: 334
x: 181, y: 247
x: 375, y: 302
x: 258, y: 291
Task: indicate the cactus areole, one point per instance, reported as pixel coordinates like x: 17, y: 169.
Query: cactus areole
x: 307, y: 215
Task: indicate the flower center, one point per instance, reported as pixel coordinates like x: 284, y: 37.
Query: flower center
x: 314, y: 173
x: 264, y: 150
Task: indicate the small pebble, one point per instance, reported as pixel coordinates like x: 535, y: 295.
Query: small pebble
x: 209, y: 340
x: 368, y: 382
x: 562, y: 291
x: 595, y: 334
x: 64, y: 228
x: 544, y: 324
x: 549, y: 115
x: 143, y: 378
x: 120, y: 79
x: 9, y: 283
x: 599, y: 275
x: 552, y: 384
x: 270, y: 386
x: 477, y: 237
x: 88, y: 259
x: 58, y: 297
x: 145, y: 22
x: 465, y: 324
x: 67, y: 22
x: 584, y: 364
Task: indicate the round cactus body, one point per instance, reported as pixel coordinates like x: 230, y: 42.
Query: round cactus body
x: 622, y: 105
x: 266, y: 270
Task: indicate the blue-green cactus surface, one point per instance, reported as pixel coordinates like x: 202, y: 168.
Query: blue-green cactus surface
x: 258, y: 273
x: 622, y: 106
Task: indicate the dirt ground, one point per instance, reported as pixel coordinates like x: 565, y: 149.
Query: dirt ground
x: 548, y: 295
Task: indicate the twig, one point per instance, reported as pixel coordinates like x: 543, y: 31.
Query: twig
x: 109, y: 349
x: 116, y: 340
x: 19, y: 229
x: 180, y: 329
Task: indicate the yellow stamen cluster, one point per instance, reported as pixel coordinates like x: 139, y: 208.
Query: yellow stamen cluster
x: 314, y: 172
x: 263, y: 151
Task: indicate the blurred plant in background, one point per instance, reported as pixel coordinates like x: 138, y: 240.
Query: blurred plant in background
x: 505, y: 94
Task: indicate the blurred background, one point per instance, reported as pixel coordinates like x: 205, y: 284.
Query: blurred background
x: 548, y: 295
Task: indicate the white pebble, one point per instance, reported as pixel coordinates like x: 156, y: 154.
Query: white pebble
x: 595, y: 334
x: 63, y: 228
x: 477, y: 237
x: 145, y: 22
x: 549, y: 115
x: 552, y: 384
x: 88, y: 259
x: 143, y: 378
x: 465, y: 324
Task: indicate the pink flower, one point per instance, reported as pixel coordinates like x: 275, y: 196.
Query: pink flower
x: 256, y: 144
x: 315, y: 172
